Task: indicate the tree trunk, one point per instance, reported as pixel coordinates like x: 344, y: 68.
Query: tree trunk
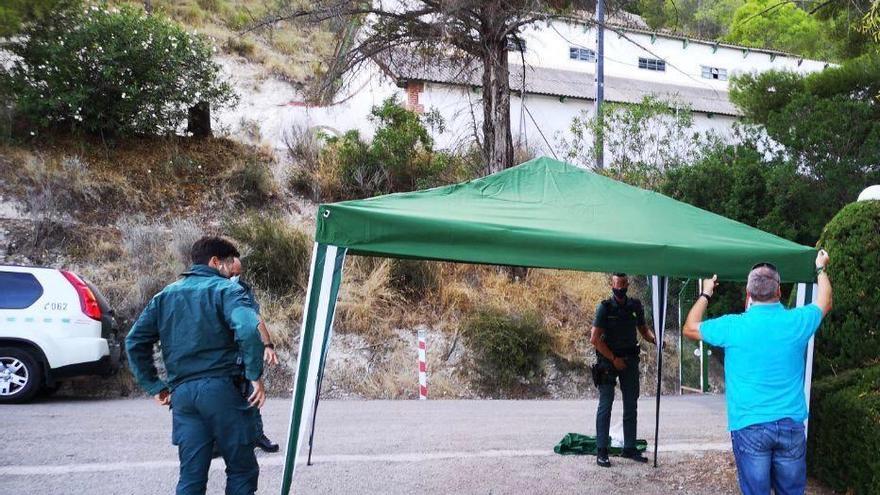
x: 199, y: 121
x: 497, y: 138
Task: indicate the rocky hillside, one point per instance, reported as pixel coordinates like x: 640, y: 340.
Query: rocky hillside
x: 123, y: 212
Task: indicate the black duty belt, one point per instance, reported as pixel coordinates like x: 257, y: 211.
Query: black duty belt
x: 627, y: 351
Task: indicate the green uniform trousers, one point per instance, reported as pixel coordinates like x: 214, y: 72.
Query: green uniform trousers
x: 629, y: 389
x: 208, y: 410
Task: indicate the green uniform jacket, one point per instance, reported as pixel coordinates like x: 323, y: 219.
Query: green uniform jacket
x: 203, y: 321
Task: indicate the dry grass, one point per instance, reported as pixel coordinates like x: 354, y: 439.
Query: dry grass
x: 283, y: 316
x: 566, y: 300
x: 368, y: 305
x: 94, y: 181
x: 290, y: 52
x: 389, y: 370
x: 53, y: 185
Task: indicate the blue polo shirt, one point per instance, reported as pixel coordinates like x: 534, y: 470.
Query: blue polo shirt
x: 764, y: 361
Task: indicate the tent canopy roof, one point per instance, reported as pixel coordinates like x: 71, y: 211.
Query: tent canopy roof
x: 549, y: 214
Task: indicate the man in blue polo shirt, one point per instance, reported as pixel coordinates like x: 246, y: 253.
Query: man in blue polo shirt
x: 764, y: 363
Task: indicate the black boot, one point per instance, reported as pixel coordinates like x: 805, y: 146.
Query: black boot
x: 633, y: 454
x: 602, y: 458
x: 267, y: 445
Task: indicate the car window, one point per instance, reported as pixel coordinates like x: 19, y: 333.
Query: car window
x: 18, y: 290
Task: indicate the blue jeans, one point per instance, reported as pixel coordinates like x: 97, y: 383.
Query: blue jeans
x: 771, y: 455
x: 629, y: 389
x: 208, y: 410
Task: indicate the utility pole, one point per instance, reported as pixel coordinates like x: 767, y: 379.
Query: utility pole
x: 600, y: 83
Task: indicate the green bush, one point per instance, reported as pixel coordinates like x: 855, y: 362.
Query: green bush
x: 508, y: 350
x: 844, y: 434
x: 399, y: 158
x: 252, y: 183
x: 112, y: 71
x: 275, y: 255
x: 850, y: 334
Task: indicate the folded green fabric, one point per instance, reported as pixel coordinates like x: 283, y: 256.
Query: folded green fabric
x: 577, y: 444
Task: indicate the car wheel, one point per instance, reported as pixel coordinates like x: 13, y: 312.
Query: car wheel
x: 20, y: 375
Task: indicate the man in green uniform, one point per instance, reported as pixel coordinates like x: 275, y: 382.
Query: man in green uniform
x: 617, y: 359
x: 202, y: 322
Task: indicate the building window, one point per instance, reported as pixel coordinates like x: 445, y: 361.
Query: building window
x: 714, y: 73
x: 652, y: 64
x: 582, y: 54
x: 516, y: 45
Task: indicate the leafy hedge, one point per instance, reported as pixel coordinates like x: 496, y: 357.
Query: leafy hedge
x: 508, y: 349
x: 111, y: 71
x: 845, y: 413
x: 844, y: 431
x: 850, y: 335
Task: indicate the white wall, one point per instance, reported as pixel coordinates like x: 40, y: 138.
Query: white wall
x: 272, y: 104
x: 552, y: 117
x: 276, y: 107
x: 548, y: 46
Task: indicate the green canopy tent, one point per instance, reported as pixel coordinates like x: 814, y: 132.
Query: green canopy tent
x: 543, y: 213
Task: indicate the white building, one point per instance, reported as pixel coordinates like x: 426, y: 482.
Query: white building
x: 559, y: 75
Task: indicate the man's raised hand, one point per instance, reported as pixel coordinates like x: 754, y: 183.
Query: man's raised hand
x: 709, y: 285
x: 822, y: 259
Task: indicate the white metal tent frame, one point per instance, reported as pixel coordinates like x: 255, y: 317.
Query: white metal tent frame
x: 325, y: 277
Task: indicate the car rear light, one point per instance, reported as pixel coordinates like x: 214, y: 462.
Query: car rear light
x: 87, y: 300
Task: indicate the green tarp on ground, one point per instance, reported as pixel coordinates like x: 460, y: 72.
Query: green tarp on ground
x: 577, y: 444
x: 550, y: 214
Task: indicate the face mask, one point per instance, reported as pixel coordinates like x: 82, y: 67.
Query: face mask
x: 619, y: 293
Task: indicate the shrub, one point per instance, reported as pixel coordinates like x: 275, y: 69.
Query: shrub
x: 112, y: 72
x: 849, y: 337
x: 644, y: 140
x: 399, y: 158
x: 508, y: 349
x: 414, y: 278
x: 275, y: 255
x: 251, y: 183
x: 359, y: 174
x: 844, y: 433
x: 303, y: 148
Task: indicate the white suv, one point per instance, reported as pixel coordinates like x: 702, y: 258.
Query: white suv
x: 53, y: 325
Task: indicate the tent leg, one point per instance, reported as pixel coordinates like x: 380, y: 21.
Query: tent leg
x: 320, y: 306
x: 333, y: 294
x: 806, y: 294
x: 659, y: 292
x: 314, y: 419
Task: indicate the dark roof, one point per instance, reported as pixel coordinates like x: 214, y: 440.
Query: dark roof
x: 572, y: 84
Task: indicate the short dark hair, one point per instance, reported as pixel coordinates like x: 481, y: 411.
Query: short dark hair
x: 209, y: 246
x: 619, y: 274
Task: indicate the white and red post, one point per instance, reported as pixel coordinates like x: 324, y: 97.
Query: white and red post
x: 423, y: 366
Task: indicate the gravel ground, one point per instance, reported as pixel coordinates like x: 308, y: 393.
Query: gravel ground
x: 384, y: 447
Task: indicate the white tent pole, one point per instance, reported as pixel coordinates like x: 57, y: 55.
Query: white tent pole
x: 659, y: 293
x: 334, y: 292
x: 806, y: 294
x: 318, y: 314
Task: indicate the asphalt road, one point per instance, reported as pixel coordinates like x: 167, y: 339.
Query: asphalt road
x: 70, y: 447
